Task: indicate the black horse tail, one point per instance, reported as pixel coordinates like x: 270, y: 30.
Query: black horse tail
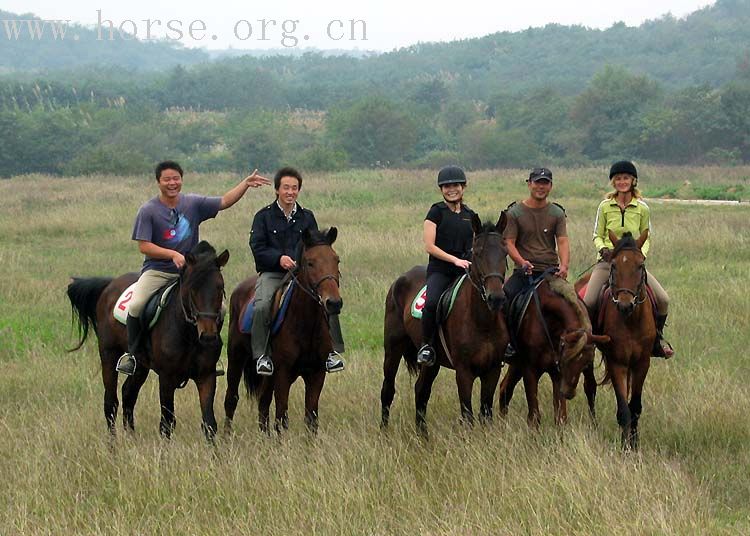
x: 84, y: 294
x: 252, y: 379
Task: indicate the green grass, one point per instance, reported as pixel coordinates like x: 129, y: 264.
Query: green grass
x: 61, y: 475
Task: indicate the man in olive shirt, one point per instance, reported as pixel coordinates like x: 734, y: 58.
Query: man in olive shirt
x: 536, y: 234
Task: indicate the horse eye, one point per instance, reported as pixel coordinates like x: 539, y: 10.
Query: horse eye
x: 309, y: 264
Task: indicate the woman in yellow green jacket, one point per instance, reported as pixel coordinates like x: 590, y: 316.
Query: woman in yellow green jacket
x: 624, y: 210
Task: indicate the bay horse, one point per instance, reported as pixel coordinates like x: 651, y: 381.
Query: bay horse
x: 185, y: 344
x: 474, y: 332
x: 554, y: 338
x: 302, y: 344
x: 629, y: 322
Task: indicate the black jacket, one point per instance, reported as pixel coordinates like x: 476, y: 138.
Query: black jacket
x: 272, y: 236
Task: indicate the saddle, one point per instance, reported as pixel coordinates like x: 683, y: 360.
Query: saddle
x: 445, y: 304
x: 518, y: 307
x: 282, y: 297
x: 150, y: 315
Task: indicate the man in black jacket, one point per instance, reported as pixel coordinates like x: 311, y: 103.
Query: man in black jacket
x: 274, y: 240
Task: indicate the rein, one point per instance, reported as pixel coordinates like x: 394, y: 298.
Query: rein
x: 312, y: 290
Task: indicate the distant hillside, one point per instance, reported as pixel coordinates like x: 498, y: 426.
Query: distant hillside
x: 27, y: 43
x: 708, y: 46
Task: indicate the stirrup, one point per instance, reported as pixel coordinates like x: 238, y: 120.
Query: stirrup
x: 264, y: 366
x: 334, y: 363
x: 426, y: 356
x: 126, y: 364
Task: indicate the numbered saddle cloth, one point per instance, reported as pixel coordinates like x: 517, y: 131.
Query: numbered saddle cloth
x: 153, y: 308
x: 447, y: 299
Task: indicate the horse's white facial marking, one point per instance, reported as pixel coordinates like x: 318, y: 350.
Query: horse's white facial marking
x: 624, y: 258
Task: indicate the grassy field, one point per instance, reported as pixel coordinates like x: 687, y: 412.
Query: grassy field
x: 60, y: 475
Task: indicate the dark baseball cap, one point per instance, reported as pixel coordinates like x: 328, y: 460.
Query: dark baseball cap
x: 539, y: 174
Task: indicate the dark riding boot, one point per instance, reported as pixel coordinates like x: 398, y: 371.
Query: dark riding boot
x: 334, y: 362
x: 126, y: 363
x: 661, y: 347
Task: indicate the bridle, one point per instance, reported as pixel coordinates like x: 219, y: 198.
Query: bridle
x: 312, y: 290
x: 638, y: 295
x: 481, y: 283
x: 192, y: 314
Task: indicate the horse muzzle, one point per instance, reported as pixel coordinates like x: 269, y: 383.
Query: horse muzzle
x: 496, y: 300
x: 333, y: 307
x: 626, y: 308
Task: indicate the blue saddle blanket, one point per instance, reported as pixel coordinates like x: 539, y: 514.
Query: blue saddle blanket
x: 246, y: 320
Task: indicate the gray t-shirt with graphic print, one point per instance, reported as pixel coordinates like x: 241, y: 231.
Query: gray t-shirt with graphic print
x: 173, y: 228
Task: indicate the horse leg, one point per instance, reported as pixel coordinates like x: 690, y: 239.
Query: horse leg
x: 264, y: 404
x: 619, y: 375
x: 559, y: 403
x: 637, y: 380
x: 130, y: 389
x: 391, y: 362
x: 531, y: 385
x: 465, y: 383
x: 235, y: 366
x: 507, y: 386
x: 589, y: 387
x: 422, y: 391
x: 109, y: 379
x: 166, y: 398
x: 313, y: 387
x: 206, y: 393
x: 487, y: 395
x: 281, y: 388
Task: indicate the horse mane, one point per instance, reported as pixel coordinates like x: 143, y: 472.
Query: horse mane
x: 317, y: 238
x: 566, y: 291
x: 205, y: 263
x: 488, y: 227
x: 627, y: 242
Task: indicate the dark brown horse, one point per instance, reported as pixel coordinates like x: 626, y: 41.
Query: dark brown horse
x: 184, y: 345
x: 474, y: 332
x: 301, y: 346
x: 629, y: 322
x: 563, y: 349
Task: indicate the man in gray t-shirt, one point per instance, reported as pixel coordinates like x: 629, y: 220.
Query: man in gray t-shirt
x: 166, y: 229
x: 536, y: 234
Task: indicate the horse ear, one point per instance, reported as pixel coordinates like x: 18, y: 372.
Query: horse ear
x: 306, y: 237
x: 613, y: 238
x: 476, y: 224
x: 190, y: 258
x: 331, y: 235
x: 502, y: 221
x: 642, y: 238
x: 222, y: 259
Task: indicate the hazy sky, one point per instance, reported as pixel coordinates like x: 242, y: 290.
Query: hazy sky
x: 389, y: 23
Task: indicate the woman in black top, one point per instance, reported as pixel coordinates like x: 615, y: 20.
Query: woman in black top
x: 448, y: 237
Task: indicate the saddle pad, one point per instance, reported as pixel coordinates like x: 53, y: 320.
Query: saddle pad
x: 417, y: 304
x: 246, y: 317
x: 122, y: 305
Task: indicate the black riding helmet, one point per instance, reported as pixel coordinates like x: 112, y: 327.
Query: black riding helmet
x: 451, y: 175
x: 623, y: 166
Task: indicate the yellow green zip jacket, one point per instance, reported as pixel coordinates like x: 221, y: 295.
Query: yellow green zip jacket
x: 635, y: 218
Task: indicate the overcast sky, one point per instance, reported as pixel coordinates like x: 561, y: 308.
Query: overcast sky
x: 325, y: 23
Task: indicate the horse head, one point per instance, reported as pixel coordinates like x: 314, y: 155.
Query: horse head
x: 576, y: 352
x: 202, y: 291
x: 487, y: 270
x: 627, y: 272
x: 319, y: 268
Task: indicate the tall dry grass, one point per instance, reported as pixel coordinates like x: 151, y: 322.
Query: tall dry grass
x: 61, y: 474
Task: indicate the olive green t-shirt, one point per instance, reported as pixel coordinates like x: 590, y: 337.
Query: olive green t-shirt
x: 535, y: 231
